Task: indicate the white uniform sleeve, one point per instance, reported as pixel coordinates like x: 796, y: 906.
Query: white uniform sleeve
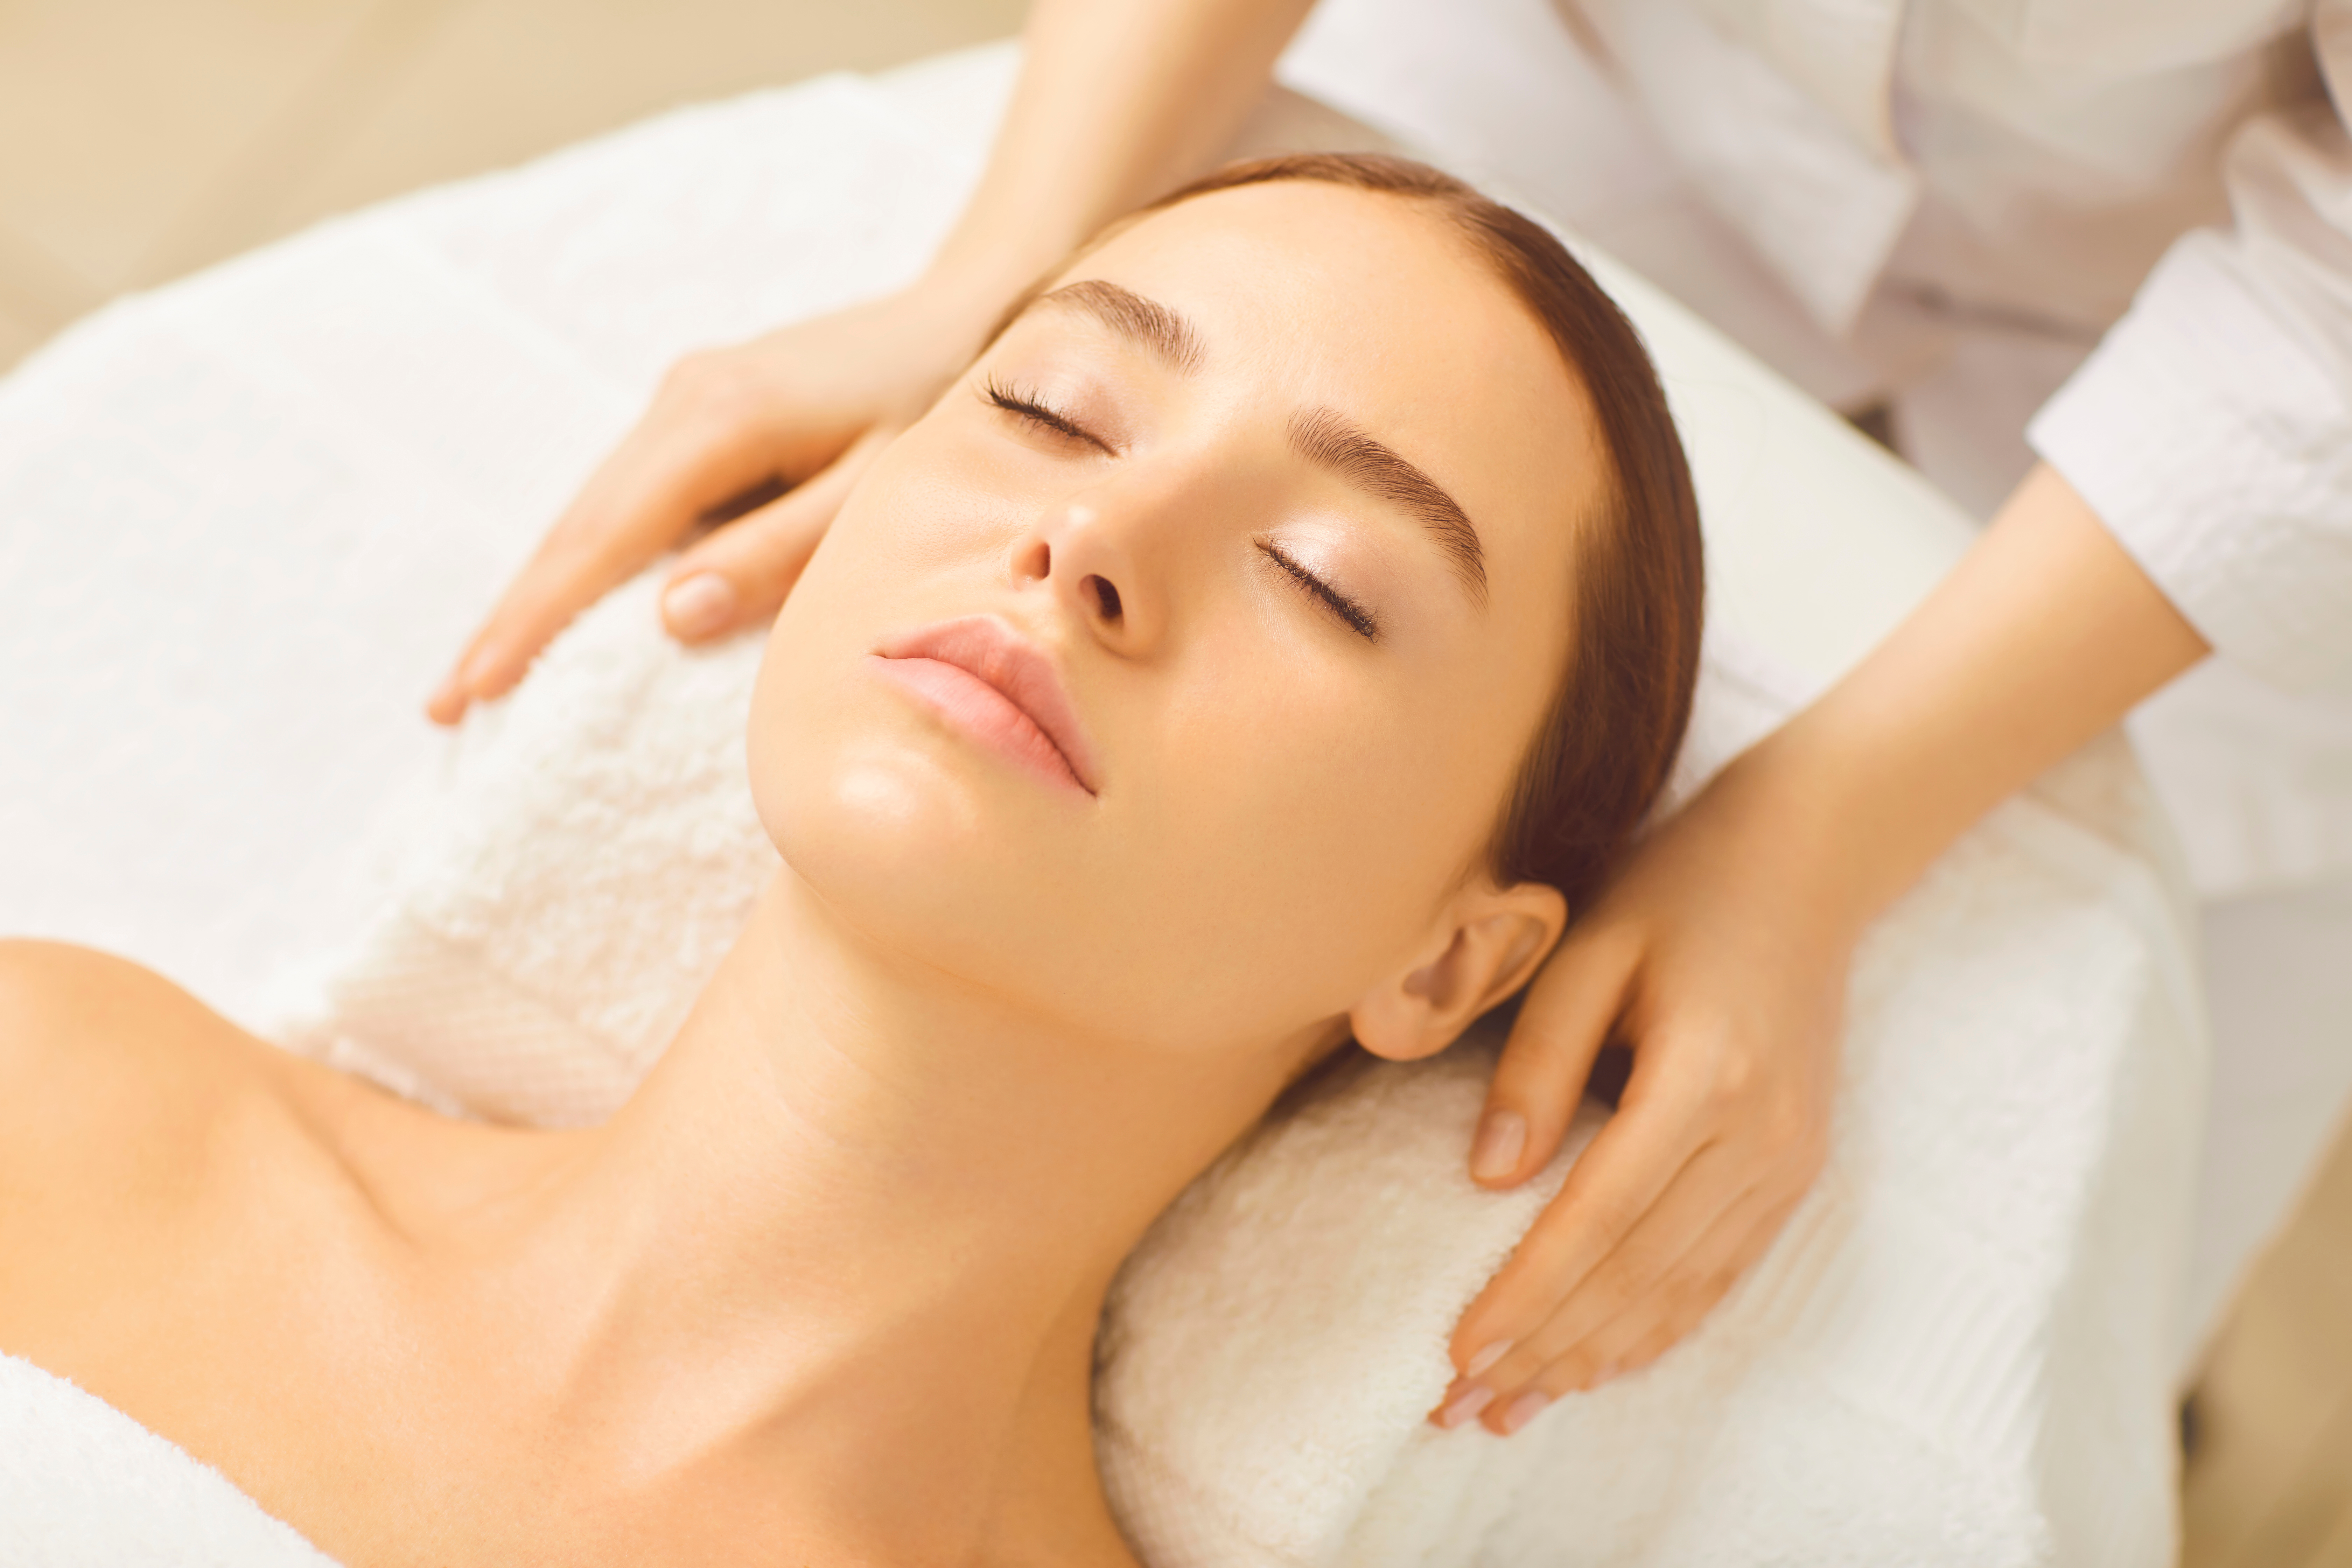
x: 2212, y: 430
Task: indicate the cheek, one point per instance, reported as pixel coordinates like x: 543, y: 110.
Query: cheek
x: 934, y: 505
x: 1298, y: 837
x: 857, y: 792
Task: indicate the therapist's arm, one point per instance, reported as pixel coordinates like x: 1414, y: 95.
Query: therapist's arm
x: 1720, y: 956
x: 1118, y: 101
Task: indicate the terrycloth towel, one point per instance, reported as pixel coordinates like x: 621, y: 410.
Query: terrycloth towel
x: 84, y: 1485
x: 1955, y: 1356
x: 1957, y: 1353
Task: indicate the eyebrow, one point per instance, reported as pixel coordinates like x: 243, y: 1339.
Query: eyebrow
x: 1146, y: 321
x: 1322, y: 435
x: 1328, y: 439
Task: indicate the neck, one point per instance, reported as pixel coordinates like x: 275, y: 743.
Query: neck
x: 863, y: 1217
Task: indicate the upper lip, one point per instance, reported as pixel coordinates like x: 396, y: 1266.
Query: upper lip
x: 990, y: 651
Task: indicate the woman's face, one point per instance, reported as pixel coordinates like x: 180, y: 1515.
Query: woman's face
x: 1168, y: 678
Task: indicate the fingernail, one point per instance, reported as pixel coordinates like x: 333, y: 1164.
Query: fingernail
x: 1466, y: 1407
x: 451, y: 690
x: 1486, y: 1358
x: 1602, y: 1374
x: 1523, y: 1409
x: 699, y: 606
x: 1495, y: 1154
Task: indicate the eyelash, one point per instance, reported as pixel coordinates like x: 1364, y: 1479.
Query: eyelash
x: 1359, y: 619
x: 1026, y: 405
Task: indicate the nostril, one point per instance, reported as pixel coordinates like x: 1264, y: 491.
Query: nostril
x: 1106, y: 598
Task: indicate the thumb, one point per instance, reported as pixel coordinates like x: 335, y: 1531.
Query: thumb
x: 1541, y: 1075
x: 740, y: 574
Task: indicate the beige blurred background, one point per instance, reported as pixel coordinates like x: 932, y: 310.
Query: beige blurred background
x: 142, y: 139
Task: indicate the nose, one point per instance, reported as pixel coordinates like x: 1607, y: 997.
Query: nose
x: 1087, y: 553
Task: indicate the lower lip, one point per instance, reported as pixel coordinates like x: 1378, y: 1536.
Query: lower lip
x: 977, y: 709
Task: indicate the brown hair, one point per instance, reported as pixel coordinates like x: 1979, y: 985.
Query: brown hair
x: 1604, y: 748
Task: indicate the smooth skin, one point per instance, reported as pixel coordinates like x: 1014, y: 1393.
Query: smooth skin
x: 1719, y: 957
x: 826, y: 1291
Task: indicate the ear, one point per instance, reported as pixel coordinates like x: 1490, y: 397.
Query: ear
x: 1487, y: 943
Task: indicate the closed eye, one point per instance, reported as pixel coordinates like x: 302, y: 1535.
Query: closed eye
x: 1027, y: 407
x: 1358, y: 618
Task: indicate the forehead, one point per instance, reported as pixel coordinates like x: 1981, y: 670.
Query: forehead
x: 1347, y: 281
x: 1305, y: 295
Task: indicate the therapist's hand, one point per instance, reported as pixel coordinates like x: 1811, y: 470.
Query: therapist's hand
x: 1720, y: 959
x: 1721, y: 954
x: 801, y: 411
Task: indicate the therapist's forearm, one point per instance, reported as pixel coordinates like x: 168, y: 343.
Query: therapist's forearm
x: 1118, y: 101
x: 2045, y: 635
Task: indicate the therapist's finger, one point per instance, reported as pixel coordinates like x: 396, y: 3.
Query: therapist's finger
x: 739, y: 575
x: 1692, y: 1307
x: 1705, y: 1279
x: 1568, y: 1354
x: 1539, y: 1081
x: 697, y: 446
x: 1665, y: 1319
x: 1595, y: 1335
x: 1702, y: 1192
x: 1664, y: 1121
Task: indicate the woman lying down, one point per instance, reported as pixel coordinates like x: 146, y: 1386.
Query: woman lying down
x: 1267, y: 643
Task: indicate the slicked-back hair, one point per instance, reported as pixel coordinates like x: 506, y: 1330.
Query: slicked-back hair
x: 1608, y: 740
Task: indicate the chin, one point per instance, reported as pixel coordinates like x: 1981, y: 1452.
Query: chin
x: 920, y: 848
x: 930, y: 849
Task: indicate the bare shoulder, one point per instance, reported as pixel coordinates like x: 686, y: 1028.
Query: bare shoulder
x: 133, y: 1120
x: 115, y: 1083
x: 45, y: 984
x: 95, y: 1048
x: 64, y: 1008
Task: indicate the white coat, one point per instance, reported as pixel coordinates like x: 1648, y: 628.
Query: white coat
x: 1968, y: 195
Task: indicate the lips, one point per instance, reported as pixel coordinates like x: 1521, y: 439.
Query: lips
x: 984, y: 679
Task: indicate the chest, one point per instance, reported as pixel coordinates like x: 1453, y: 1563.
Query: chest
x: 389, y: 1416
x: 385, y: 1445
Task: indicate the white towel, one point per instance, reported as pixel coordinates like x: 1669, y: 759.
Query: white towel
x: 84, y: 1485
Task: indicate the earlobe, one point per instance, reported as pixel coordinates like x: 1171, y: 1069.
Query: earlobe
x: 1490, y: 943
